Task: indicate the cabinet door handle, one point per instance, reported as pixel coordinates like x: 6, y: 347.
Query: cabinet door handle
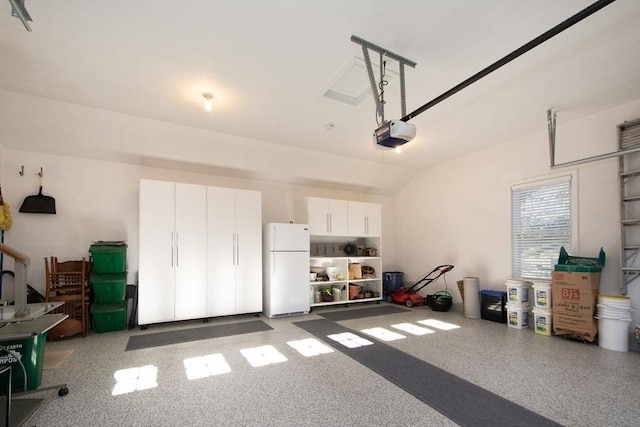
x: 173, y: 245
x: 330, y: 223
x: 327, y: 228
x: 177, y: 251
x: 237, y: 249
x: 366, y: 225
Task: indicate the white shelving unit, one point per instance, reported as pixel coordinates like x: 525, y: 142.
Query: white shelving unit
x: 333, y: 224
x: 370, y: 284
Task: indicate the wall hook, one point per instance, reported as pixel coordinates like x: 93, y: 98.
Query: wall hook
x: 21, y: 171
x: 41, y: 173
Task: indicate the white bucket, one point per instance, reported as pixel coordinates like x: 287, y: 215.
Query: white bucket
x: 518, y: 316
x: 472, y: 304
x: 543, y: 321
x: 517, y: 291
x: 542, y: 294
x: 613, y: 334
x: 614, y: 306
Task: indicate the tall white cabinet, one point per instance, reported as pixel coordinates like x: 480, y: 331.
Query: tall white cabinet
x: 234, y: 257
x: 200, y: 252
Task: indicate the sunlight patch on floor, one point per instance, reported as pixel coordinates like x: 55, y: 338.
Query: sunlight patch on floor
x: 135, y: 379
x: 412, y: 329
x: 205, y: 366
x: 383, y: 334
x: 263, y: 355
x: 310, y: 347
x: 349, y: 340
x: 438, y: 324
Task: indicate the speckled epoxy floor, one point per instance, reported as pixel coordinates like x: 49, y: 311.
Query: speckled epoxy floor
x: 572, y: 383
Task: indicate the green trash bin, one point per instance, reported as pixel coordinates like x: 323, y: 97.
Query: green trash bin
x: 31, y: 352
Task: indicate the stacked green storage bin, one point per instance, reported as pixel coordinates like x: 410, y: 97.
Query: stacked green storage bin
x: 109, y: 286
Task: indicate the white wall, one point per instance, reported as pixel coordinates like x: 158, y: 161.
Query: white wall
x: 459, y: 212
x: 98, y: 200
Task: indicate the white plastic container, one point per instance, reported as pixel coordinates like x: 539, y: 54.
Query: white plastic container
x: 542, y: 294
x: 517, y: 291
x: 613, y: 334
x: 543, y: 321
x: 614, y: 316
x: 518, y: 316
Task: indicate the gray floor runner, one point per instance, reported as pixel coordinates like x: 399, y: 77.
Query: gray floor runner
x: 137, y: 342
x: 463, y: 402
x: 357, y: 313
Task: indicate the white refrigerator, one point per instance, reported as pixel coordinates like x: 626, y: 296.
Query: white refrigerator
x: 286, y: 269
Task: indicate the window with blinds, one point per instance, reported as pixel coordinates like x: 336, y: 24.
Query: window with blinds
x: 541, y: 223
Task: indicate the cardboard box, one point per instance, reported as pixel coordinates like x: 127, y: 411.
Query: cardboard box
x: 574, y: 295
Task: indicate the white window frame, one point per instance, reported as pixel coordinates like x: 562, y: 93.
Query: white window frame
x: 571, y: 245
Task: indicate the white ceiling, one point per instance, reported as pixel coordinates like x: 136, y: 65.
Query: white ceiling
x: 267, y: 63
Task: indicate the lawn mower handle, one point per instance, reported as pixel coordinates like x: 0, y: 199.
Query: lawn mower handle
x: 445, y: 268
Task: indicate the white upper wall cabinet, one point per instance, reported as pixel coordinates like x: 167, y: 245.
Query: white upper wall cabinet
x: 365, y: 219
x: 327, y: 217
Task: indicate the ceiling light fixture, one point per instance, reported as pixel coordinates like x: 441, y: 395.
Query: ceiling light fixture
x: 208, y: 101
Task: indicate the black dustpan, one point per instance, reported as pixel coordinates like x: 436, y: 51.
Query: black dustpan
x: 38, y: 203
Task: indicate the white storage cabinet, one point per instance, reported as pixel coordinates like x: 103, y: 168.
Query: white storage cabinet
x: 200, y: 252
x: 172, y: 269
x: 234, y: 239
x: 327, y: 217
x: 364, y: 219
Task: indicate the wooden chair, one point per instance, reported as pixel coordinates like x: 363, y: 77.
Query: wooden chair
x: 68, y: 282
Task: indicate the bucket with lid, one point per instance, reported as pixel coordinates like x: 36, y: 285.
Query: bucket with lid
x: 517, y: 291
x: 518, y: 316
x: 542, y: 294
x: 543, y: 321
x: 614, y: 316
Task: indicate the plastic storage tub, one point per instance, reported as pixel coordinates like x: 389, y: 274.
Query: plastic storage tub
x: 542, y: 294
x: 517, y: 291
x: 518, y: 316
x: 543, y: 321
x: 109, y: 317
x: 493, y: 306
x: 109, y: 257
x: 109, y: 288
x: 32, y: 352
x: 392, y: 280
